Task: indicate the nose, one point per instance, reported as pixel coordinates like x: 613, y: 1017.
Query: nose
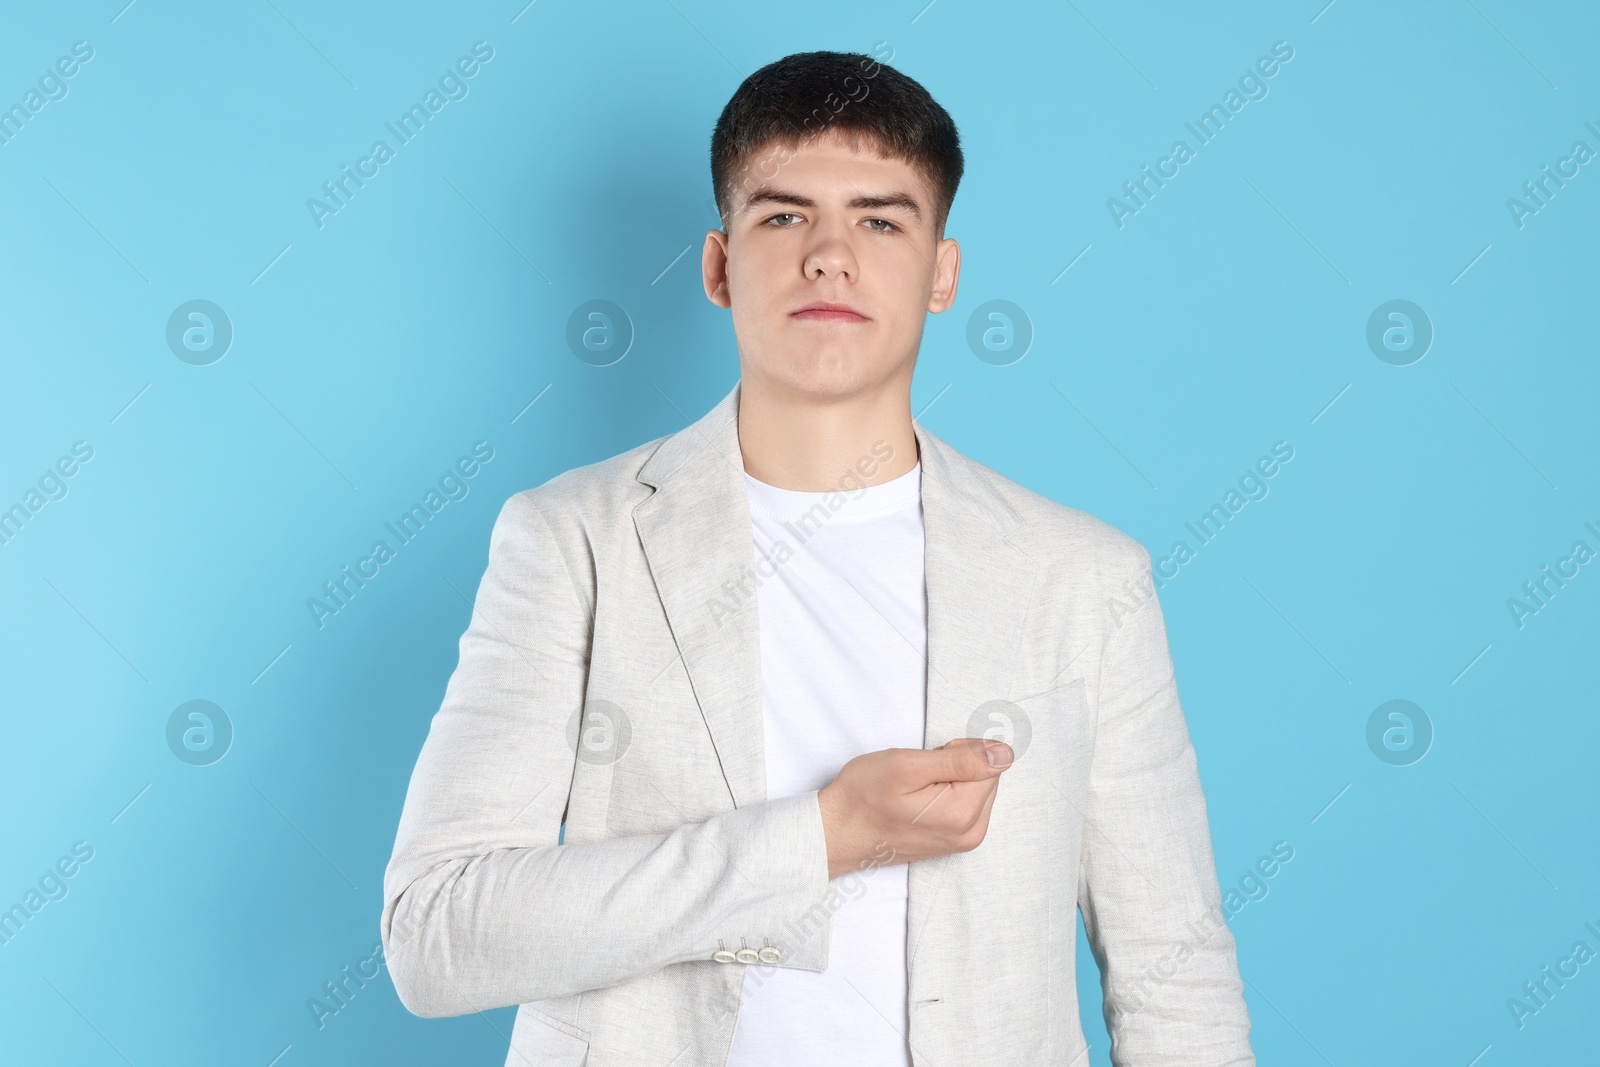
x: 829, y: 255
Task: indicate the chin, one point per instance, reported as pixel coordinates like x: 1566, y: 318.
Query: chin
x: 823, y: 374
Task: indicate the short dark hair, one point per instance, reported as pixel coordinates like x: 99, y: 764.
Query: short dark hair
x: 794, y: 99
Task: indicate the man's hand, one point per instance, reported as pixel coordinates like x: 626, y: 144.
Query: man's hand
x: 906, y: 804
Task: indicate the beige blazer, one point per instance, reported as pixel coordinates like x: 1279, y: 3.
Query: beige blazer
x: 623, y: 592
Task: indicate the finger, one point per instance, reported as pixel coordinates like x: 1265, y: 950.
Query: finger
x: 961, y: 759
x: 988, y: 806
x: 931, y: 800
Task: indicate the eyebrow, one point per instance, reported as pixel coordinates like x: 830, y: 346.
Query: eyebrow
x: 767, y: 194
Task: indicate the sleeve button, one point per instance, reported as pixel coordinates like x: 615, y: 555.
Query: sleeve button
x: 723, y: 956
x: 746, y: 955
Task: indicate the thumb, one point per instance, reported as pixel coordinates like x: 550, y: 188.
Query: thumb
x: 973, y: 759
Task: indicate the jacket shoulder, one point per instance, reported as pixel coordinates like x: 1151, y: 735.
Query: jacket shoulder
x: 582, y: 508
x: 1058, y: 530
x: 594, y: 489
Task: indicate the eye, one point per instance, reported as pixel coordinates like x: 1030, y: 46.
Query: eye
x: 784, y: 215
x: 889, y: 226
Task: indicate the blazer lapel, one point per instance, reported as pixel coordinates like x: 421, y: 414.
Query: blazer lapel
x: 979, y: 586
x: 695, y: 530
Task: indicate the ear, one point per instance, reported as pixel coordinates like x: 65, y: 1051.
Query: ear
x: 946, y: 275
x: 714, y: 268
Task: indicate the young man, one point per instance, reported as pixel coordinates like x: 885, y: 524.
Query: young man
x: 753, y: 666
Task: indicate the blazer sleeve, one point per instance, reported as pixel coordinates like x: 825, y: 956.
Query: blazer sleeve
x: 1149, y: 895
x: 483, y: 909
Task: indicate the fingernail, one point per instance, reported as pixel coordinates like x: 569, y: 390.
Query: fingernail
x: 996, y: 753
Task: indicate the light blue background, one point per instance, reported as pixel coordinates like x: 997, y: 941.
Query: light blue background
x: 1228, y: 314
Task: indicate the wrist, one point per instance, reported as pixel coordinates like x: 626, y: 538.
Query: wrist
x: 834, y: 834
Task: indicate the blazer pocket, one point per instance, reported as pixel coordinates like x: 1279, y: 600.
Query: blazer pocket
x: 540, y: 1041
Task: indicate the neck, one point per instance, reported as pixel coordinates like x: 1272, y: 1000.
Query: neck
x: 813, y: 444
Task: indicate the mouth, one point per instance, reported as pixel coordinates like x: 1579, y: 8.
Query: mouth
x: 823, y: 311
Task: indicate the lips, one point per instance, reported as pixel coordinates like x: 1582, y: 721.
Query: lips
x: 823, y: 311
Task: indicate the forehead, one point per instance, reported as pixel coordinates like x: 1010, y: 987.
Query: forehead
x: 832, y: 164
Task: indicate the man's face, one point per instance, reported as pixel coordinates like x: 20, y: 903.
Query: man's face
x: 822, y: 223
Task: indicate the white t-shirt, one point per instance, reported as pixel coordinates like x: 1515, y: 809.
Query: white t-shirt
x: 843, y: 617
